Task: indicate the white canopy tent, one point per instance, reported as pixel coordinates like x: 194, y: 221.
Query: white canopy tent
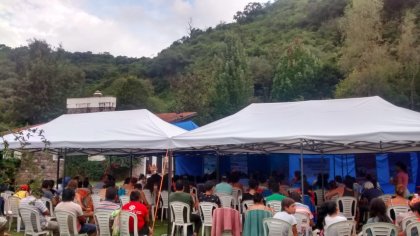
x: 354, y: 125
x: 116, y: 132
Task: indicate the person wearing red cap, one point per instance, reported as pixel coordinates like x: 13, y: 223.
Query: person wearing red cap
x: 23, y: 191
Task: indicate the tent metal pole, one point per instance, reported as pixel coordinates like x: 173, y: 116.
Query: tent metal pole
x: 170, y: 159
x: 218, y: 166
x: 62, y: 153
x: 322, y: 173
x: 131, y: 165
x: 301, y: 167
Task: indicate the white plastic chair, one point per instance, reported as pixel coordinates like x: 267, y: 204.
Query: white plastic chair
x: 5, y: 195
x: 275, y: 227
x: 96, y: 190
x: 415, y: 226
x: 319, y: 196
x: 48, y: 203
x: 124, y: 200
x: 165, y: 199
x: 67, y: 223
x: 177, y: 209
x: 246, y: 204
x: 13, y: 212
x: 31, y: 220
x: 385, y: 197
x: 349, y: 205
x: 227, y: 201
x: 343, y: 228
x: 124, y: 223
x: 275, y: 205
x: 221, y: 194
x: 406, y: 221
x: 102, y: 220
x: 206, y: 213
x: 236, y: 192
x: 379, y: 229
x: 96, y: 199
x: 303, y: 223
x: 397, y: 210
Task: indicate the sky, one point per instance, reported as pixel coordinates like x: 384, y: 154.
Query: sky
x: 133, y: 28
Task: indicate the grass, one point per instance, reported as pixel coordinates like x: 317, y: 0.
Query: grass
x: 160, y: 228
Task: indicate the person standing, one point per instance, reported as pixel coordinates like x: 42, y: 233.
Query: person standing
x: 401, y: 177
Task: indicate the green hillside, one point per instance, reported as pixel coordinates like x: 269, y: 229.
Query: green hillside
x: 287, y: 50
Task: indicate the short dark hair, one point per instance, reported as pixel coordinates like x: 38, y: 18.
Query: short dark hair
x: 179, y: 185
x: 330, y: 207
x: 274, y: 186
x: 208, y: 186
x: 68, y: 195
x: 138, y: 186
x: 286, y: 202
x: 110, y: 193
x: 134, y: 195
x: 45, y: 183
x: 295, y: 196
x: 253, y: 184
x: 258, y: 198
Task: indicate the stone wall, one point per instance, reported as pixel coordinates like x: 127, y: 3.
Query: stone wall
x: 38, y: 165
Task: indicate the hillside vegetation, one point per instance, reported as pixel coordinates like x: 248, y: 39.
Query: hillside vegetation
x: 287, y: 50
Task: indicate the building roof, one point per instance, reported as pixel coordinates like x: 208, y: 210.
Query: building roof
x: 176, y: 117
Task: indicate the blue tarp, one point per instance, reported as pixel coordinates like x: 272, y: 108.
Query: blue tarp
x: 188, y: 165
x: 187, y: 125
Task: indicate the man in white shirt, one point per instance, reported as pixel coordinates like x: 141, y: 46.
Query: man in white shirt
x: 288, y: 209
x: 67, y: 204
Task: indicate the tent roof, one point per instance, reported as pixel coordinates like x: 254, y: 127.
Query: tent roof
x: 115, y: 132
x: 368, y: 124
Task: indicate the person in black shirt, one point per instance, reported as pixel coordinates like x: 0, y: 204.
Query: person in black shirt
x: 208, y: 195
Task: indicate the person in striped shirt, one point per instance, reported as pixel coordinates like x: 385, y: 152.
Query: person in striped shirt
x: 110, y: 202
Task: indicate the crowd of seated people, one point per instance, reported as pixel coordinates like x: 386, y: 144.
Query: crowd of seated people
x: 76, y: 196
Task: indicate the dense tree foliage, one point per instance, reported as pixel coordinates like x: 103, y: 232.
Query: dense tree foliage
x: 281, y: 51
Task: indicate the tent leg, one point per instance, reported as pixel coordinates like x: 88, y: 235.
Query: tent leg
x: 170, y: 163
x: 322, y: 173
x: 301, y: 168
x: 218, y: 166
x: 131, y: 166
x: 62, y: 153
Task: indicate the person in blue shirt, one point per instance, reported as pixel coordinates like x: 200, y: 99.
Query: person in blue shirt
x: 224, y: 187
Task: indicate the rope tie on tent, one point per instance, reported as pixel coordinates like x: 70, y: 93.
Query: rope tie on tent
x: 165, y: 162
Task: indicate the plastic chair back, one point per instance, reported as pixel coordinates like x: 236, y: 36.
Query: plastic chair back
x: 349, y: 207
x: 178, y: 213
x: 246, y: 204
x: 408, y: 220
x: 396, y: 210
x: 413, y: 229
x: 125, y: 223
x: 380, y: 229
x: 67, y: 223
x: 124, y: 200
x: 303, y: 223
x: 227, y: 201
x: 31, y: 220
x: 275, y: 227
x: 319, y: 197
x: 343, y: 228
x: 206, y: 212
x: 96, y: 199
x: 102, y: 220
x: 275, y: 205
